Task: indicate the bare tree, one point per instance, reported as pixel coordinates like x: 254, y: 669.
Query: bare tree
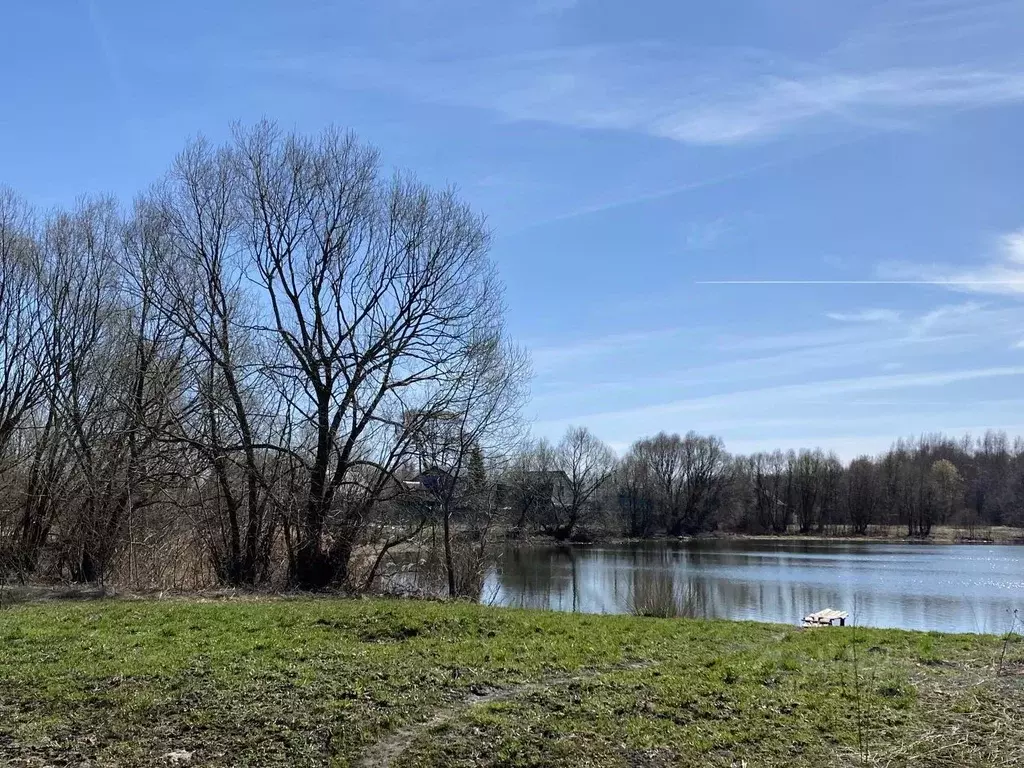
x: 234, y: 410
x: 587, y: 464
x: 769, y: 478
x: 687, y: 479
x: 20, y: 316
x: 636, y: 496
x: 862, y: 494
x: 944, y: 495
x: 488, y: 398
x: 74, y: 473
x: 707, y: 470
x: 663, y: 458
x: 374, y: 286
x: 527, y: 487
x: 21, y: 378
x: 809, y: 474
x: 151, y: 382
x: 485, y: 403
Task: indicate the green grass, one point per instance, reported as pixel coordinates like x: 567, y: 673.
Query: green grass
x: 331, y: 682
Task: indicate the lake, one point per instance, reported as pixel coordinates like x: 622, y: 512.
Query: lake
x: 943, y: 587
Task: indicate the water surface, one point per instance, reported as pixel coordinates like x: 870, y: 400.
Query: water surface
x: 944, y: 587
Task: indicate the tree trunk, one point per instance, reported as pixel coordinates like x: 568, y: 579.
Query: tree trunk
x: 449, y: 562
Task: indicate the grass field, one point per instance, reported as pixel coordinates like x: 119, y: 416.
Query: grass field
x: 376, y: 682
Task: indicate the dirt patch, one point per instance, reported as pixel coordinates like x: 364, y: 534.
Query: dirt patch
x: 386, y: 751
x: 11, y: 594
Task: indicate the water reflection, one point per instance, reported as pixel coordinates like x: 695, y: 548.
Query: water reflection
x: 933, y: 587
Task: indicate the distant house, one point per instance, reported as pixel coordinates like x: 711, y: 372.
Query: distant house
x: 427, y: 491
x: 433, y: 480
x: 436, y: 480
x: 435, y: 492
x: 553, y: 484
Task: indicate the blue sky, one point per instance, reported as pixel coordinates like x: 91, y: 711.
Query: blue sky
x: 630, y: 157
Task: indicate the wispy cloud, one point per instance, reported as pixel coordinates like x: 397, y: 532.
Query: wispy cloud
x: 803, y: 393
x: 775, y: 104
x: 547, y: 358
x: 713, y: 97
x: 703, y: 235
x: 937, y: 340
x: 1004, y: 274
x: 946, y: 317
x: 620, y: 200
x: 805, y: 364
x: 897, y: 26
x: 866, y: 316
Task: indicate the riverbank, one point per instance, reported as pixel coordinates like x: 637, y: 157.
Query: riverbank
x: 379, y: 682
x: 894, y: 535
x: 877, y: 534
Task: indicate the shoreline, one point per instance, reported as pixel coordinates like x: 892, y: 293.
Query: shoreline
x: 940, y: 535
x: 52, y: 597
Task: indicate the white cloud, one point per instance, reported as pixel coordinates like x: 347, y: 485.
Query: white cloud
x: 814, y: 339
x: 947, y: 317
x: 883, y: 99
x: 801, y: 363
x: 790, y: 395
x: 709, y: 97
x: 866, y: 316
x: 947, y: 332
x: 1003, y: 275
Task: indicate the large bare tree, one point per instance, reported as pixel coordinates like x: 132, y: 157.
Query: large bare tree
x: 373, y: 284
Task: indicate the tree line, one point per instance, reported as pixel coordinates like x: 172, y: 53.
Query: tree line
x: 672, y: 485
x: 231, y: 380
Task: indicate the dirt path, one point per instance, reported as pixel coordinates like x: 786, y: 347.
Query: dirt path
x: 387, y: 750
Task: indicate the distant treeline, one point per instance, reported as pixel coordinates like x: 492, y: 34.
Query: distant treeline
x: 686, y: 485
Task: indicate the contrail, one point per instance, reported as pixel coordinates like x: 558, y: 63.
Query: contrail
x: 691, y: 186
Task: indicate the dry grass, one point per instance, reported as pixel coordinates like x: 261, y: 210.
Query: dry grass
x: 969, y: 717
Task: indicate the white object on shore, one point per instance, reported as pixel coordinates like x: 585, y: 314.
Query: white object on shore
x: 825, y: 618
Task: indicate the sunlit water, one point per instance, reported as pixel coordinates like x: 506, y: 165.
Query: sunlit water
x: 950, y: 588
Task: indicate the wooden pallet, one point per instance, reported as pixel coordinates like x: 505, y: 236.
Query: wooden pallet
x: 825, y: 618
